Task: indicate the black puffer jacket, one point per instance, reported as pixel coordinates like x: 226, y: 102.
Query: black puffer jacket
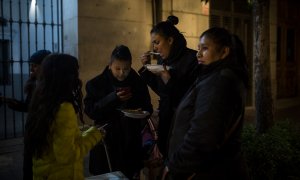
x: 198, y: 142
x: 183, y: 65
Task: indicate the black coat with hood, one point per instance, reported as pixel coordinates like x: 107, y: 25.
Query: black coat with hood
x: 183, y: 70
x: 203, y: 140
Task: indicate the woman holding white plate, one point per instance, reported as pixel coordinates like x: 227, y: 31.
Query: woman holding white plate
x: 172, y: 81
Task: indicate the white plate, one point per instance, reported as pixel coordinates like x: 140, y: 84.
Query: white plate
x: 135, y: 114
x: 116, y: 175
x: 156, y: 67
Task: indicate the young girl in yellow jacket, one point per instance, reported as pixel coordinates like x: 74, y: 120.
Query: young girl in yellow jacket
x: 52, y: 135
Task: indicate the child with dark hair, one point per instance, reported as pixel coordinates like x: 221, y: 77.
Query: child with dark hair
x: 52, y: 135
x: 118, y: 87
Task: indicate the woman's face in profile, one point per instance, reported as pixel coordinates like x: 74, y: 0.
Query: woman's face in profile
x: 209, y: 51
x: 34, y: 70
x: 161, y: 45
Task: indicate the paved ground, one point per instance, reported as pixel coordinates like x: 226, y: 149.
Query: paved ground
x: 11, y: 159
x: 11, y: 150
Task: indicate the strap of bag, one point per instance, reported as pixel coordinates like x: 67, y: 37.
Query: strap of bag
x: 228, y: 134
x: 152, y: 128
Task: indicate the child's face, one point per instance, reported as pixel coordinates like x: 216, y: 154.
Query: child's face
x: 209, y: 52
x: 120, y: 69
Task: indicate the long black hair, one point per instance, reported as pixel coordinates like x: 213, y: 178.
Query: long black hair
x: 58, y: 82
x: 236, y: 59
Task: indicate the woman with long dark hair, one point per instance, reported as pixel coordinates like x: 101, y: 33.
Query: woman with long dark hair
x: 170, y: 85
x: 205, y: 142
x: 52, y: 135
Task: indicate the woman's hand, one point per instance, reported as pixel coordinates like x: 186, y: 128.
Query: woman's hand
x: 102, y: 130
x: 164, y: 74
x: 146, y: 58
x: 11, y: 103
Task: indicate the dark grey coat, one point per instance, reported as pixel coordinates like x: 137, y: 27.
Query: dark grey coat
x: 198, y: 142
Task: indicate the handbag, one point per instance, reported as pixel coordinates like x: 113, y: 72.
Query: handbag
x: 153, y: 159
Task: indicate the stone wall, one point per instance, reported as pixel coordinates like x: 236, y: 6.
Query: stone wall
x: 93, y: 28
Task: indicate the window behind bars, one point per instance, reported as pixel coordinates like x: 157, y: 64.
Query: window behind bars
x: 25, y: 27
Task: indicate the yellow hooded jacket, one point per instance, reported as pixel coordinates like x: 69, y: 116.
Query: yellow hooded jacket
x: 68, y: 146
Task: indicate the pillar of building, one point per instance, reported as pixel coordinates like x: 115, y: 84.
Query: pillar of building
x: 273, y: 46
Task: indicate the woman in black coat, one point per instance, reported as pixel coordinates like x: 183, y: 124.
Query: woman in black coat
x: 170, y: 85
x: 118, y: 87
x: 206, y: 131
x: 35, y: 61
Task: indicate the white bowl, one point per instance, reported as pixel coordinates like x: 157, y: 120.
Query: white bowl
x: 156, y: 67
